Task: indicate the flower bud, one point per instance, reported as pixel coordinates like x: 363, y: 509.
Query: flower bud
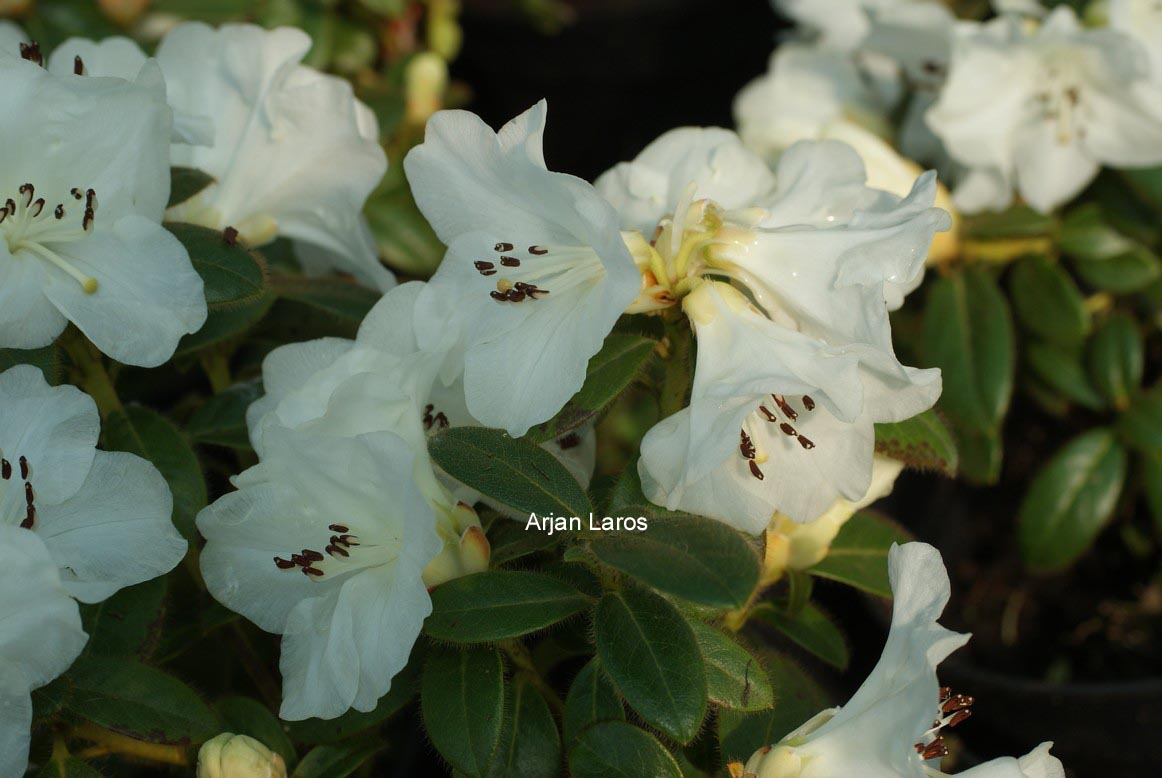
x: 466, y: 549
x: 123, y: 12
x: 238, y: 756
x: 426, y: 80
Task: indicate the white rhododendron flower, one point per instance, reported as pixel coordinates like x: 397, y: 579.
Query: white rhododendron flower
x: 103, y: 515
x: 795, y: 362
x: 325, y: 542
x: 83, y: 185
x: 40, y: 636
x: 11, y: 37
x: 536, y: 273
x: 1040, y: 112
x: 293, y: 153
x: 238, y: 756
x: 886, y: 729
x: 1141, y: 19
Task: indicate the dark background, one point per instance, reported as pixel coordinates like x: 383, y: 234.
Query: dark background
x: 621, y: 74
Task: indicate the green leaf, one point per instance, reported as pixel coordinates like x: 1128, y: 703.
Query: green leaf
x: 510, y: 540
x: 1131, y: 271
x: 798, y: 698
x: 591, y: 698
x: 734, y: 678
x: 403, y: 688
x: 649, y: 652
x: 1147, y: 183
x: 128, y: 624
x: 1071, y: 499
x: 980, y: 455
x: 1116, y: 357
x: 615, y: 749
x: 611, y: 371
x: 492, y: 606
x: 226, y: 322
x: 185, y: 182
x: 245, y: 716
x: 1085, y: 234
x: 810, y: 628
x: 232, y: 274
x: 923, y: 442
x: 1047, y: 301
x: 340, y: 298
x: 463, y: 705
x: 1103, y: 256
x: 1140, y: 425
x: 69, y: 767
x: 338, y: 760
x: 150, y: 435
x: 48, y: 359
x: 516, y: 473
x: 1060, y: 368
x: 530, y: 745
x: 1151, y: 468
x: 1019, y: 221
x: 221, y: 421
x: 859, y: 554
x: 403, y: 235
x: 969, y: 336
x: 136, y: 700
x: 692, y: 557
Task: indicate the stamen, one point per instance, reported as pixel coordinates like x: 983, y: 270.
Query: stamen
x: 312, y: 555
x: 312, y: 571
x: 538, y: 251
x: 755, y: 471
x: 32, y: 53
x: 572, y: 440
x: 502, y: 247
x: 341, y: 527
x: 788, y: 430
x: 5, y: 469
x: 498, y: 296
x: 808, y: 403
x: 805, y: 442
x: 766, y: 412
x: 24, y: 468
x: 59, y: 213
x: 787, y: 410
x: 230, y: 236
x: 746, y: 446
x: 30, y: 519
x: 78, y: 66
x: 283, y: 564
x: 510, y: 261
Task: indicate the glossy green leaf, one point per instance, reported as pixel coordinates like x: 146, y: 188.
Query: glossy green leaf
x: 1116, y: 356
x: 649, y: 652
x: 48, y: 359
x: 1062, y: 371
x: 510, y: 540
x: 591, y: 698
x: 1103, y: 256
x: 221, y: 420
x: 136, y: 700
x: 516, y: 473
x: 797, y: 699
x: 226, y: 322
x: 530, y: 745
x: 340, y: 298
x: 810, y: 628
x: 148, y: 434
x: 1140, y: 425
x: 1047, y: 301
x: 610, y: 372
x: 615, y: 749
x: 859, y: 554
x: 1131, y: 271
x: 246, y: 716
x: 692, y: 557
x: 1020, y: 221
x: 338, y: 760
x: 185, y: 182
x: 1070, y: 499
x: 923, y: 441
x: 492, y: 606
x: 462, y: 699
x: 1086, y: 234
x: 734, y: 678
x: 968, y: 334
x: 980, y: 455
x: 1147, y: 183
x: 128, y: 624
x: 232, y: 275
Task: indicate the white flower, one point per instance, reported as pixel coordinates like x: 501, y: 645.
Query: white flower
x: 325, y: 542
x: 535, y: 275
x: 11, y: 37
x: 795, y: 362
x: 84, y: 179
x: 293, y: 153
x: 1040, y: 112
x: 103, y: 515
x: 40, y: 636
x: 886, y: 729
x: 1141, y: 19
x: 238, y: 756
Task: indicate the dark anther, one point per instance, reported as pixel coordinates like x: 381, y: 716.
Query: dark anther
x: 312, y: 555
x: 945, y: 693
x: 27, y: 193
x: 806, y: 442
x: 31, y: 52
x: 514, y: 295
x: 754, y: 470
x: 283, y: 564
x: 808, y: 403
x: 765, y: 411
x: 347, y: 540
x: 37, y: 207
x: 333, y: 550
x: 502, y: 247
x: 958, y: 717
x: 87, y: 222
x: 29, y: 495
x: 441, y: 420
x: 482, y: 266
x: 300, y: 560
x: 342, y: 527
x: 498, y: 296
x: 30, y: 519
x: 746, y: 445
x: 78, y: 66
x: 510, y: 261
x: 540, y: 252
x: 312, y: 571
x: 788, y: 429
x: 59, y: 213
x: 76, y: 193
x: 957, y: 702
x: 566, y: 442
x: 230, y: 236
x: 787, y: 410
x: 5, y: 469
x: 934, y: 750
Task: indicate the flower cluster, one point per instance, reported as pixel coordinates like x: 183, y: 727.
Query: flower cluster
x: 1029, y: 103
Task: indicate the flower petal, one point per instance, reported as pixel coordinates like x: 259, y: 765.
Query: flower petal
x: 27, y: 318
